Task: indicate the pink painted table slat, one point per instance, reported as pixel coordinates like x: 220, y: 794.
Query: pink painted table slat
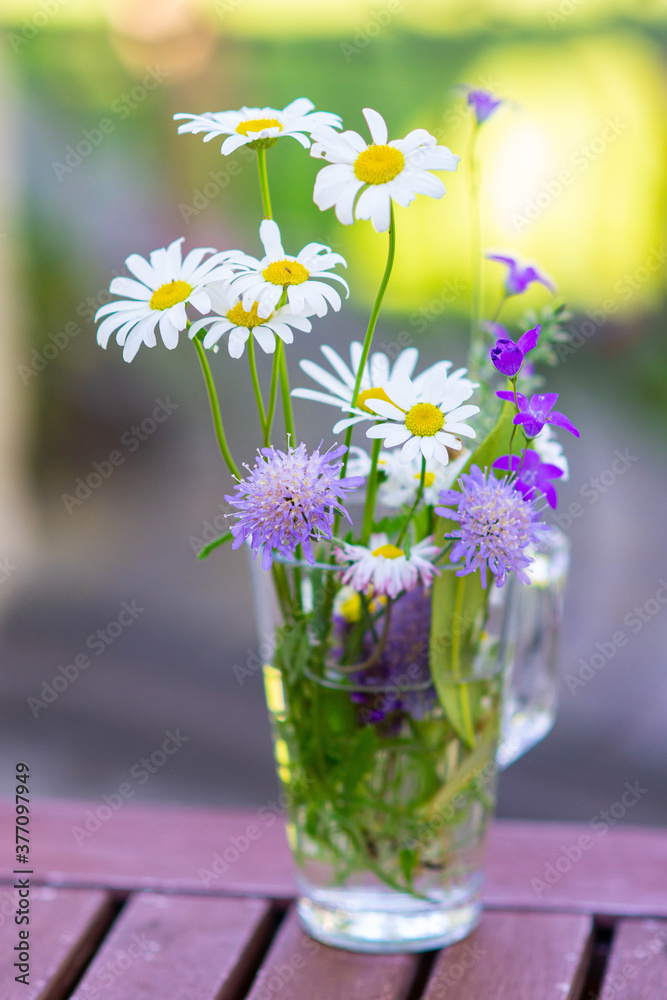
x: 637, y: 967
x: 65, y: 928
x: 155, y: 903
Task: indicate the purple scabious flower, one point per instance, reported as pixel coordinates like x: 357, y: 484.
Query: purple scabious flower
x: 537, y: 411
x: 288, y: 499
x: 520, y: 276
x: 532, y: 474
x: 496, y: 525
x: 508, y: 357
x: 483, y: 103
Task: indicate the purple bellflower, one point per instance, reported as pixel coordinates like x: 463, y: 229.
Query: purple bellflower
x: 508, y: 357
x: 537, y: 411
x: 288, y: 499
x: 520, y: 276
x: 483, y: 103
x: 532, y: 475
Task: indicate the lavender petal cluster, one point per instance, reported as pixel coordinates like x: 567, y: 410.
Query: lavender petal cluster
x: 288, y: 499
x: 496, y: 525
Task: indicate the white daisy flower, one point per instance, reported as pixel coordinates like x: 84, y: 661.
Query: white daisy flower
x: 426, y: 418
x: 263, y: 281
x: 385, y: 567
x: 160, y: 296
x: 378, y: 370
x: 260, y: 128
x: 550, y: 450
x: 377, y: 173
x: 402, y: 482
x: 229, y: 316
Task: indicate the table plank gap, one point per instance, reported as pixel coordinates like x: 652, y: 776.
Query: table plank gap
x: 176, y: 946
x: 637, y: 966
x: 299, y: 968
x: 603, y: 934
x: 516, y: 956
x: 66, y: 926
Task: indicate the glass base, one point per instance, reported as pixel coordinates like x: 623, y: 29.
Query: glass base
x: 384, y: 924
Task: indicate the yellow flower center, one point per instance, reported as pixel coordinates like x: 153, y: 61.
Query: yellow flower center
x: 371, y: 394
x: 286, y: 272
x: 351, y: 608
x: 429, y: 478
x: 388, y: 551
x: 424, y: 420
x: 379, y: 164
x: 256, y: 125
x: 170, y: 294
x: 240, y: 317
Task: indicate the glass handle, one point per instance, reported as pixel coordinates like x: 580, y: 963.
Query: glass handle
x: 533, y: 615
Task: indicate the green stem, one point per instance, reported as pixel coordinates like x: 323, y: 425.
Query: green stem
x: 285, y: 393
x: 420, y: 493
x: 273, y: 395
x: 255, y: 383
x: 264, y: 183
x: 476, y: 339
x: 282, y: 589
x: 368, y: 339
x: 464, y: 694
x: 215, y: 408
x: 503, y: 299
x: 371, y: 492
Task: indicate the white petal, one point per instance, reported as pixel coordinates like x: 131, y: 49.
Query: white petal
x: 319, y: 374
x: 462, y: 413
x: 345, y: 202
x: 402, y: 393
x: 376, y: 126
x: 316, y: 397
x: 427, y: 447
x: 459, y: 429
x: 236, y: 341
x: 380, y: 430
x: 215, y: 333
x: 142, y: 270
x: 338, y: 365
x: 131, y: 288
x: 425, y: 183
x: 399, y: 435
x: 266, y: 339
x: 232, y: 143
x: 301, y: 106
x: 281, y: 330
x: 168, y: 332
x: 405, y: 364
x: 385, y: 409
x: 410, y: 450
x: 347, y: 422
x: 111, y: 323
x: 269, y: 234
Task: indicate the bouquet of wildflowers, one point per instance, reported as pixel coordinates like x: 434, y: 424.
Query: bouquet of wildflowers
x: 383, y: 686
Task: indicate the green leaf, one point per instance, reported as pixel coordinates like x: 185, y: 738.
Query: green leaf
x: 407, y: 859
x: 496, y: 443
x: 458, y: 605
x: 216, y: 543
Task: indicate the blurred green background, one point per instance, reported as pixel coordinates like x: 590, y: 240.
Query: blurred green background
x: 92, y: 169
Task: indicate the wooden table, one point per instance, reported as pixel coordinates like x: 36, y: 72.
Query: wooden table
x: 146, y: 903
